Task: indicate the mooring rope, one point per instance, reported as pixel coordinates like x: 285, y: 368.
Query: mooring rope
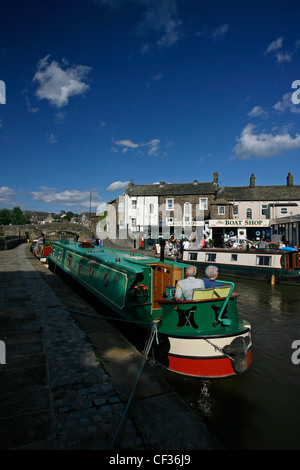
x: 153, y: 334
x: 103, y: 317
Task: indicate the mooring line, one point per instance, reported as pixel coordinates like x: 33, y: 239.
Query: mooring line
x: 153, y: 334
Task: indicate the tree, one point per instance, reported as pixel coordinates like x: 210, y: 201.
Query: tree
x: 18, y: 218
x: 5, y: 216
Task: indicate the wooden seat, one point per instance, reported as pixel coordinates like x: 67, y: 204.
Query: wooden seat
x: 200, y: 294
x: 221, y: 291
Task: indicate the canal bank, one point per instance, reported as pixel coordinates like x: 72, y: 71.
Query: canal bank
x: 68, y: 376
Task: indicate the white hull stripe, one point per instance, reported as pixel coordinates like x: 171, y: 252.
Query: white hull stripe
x: 200, y: 347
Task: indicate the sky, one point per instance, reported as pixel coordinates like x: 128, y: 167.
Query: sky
x: 95, y: 94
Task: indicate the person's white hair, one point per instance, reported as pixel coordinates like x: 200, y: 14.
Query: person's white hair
x: 211, y: 271
x: 191, y: 271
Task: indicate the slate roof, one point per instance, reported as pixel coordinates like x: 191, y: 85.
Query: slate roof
x: 166, y: 189
x: 260, y: 193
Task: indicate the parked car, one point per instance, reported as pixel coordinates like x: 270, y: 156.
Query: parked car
x: 240, y: 242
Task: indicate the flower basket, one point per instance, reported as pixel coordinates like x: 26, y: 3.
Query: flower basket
x: 140, y: 293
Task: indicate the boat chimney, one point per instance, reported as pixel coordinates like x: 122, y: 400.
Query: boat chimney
x: 289, y: 180
x: 252, y: 181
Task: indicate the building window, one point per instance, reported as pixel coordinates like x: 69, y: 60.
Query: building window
x: 151, y: 209
x: 133, y: 204
x: 169, y: 204
x: 263, y: 260
x: 221, y: 210
x: 203, y: 203
x: 210, y: 257
x: 283, y: 210
x: 249, y: 214
x: 235, y: 210
x: 187, y: 212
x: 133, y: 224
x: 264, y: 209
x: 121, y: 207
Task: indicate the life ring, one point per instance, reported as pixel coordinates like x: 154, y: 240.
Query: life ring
x: 172, y: 238
x: 231, y: 233
x: 257, y: 233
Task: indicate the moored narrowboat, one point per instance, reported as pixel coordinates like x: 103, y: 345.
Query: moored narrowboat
x: 41, y: 250
x: 203, y: 337
x: 282, y: 265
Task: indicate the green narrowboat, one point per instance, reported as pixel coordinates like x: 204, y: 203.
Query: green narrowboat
x: 204, y: 337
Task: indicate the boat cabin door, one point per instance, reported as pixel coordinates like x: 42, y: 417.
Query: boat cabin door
x: 291, y: 260
x: 162, y: 278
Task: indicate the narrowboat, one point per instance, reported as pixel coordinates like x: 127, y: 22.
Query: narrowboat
x: 41, y: 250
x: 203, y: 338
x: 280, y: 265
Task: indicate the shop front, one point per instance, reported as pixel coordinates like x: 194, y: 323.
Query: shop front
x: 250, y: 229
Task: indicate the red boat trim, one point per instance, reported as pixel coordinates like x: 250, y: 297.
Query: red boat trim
x: 208, y: 367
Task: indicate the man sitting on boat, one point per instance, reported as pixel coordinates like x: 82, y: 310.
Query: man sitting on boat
x: 186, y: 286
x: 211, y: 273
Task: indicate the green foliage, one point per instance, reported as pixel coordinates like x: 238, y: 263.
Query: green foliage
x: 14, y: 216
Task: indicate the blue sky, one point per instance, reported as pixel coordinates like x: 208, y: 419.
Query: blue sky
x: 102, y: 92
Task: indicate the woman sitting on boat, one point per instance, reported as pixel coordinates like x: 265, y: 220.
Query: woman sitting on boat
x: 211, y: 273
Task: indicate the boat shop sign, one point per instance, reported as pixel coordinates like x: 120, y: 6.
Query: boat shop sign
x: 239, y: 223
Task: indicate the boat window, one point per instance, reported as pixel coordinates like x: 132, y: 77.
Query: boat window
x: 211, y: 257
x: 69, y: 260
x: 234, y: 257
x: 263, y: 260
x: 59, y: 255
x: 53, y: 251
x: 91, y: 271
x: 193, y: 256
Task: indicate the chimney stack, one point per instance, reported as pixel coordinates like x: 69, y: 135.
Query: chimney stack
x: 289, y: 180
x: 252, y: 181
x: 216, y: 178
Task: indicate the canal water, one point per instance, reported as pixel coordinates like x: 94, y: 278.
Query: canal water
x: 259, y: 409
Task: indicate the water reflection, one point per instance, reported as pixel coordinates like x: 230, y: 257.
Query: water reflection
x: 259, y: 409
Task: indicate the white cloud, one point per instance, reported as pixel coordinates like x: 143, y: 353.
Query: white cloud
x: 219, y: 32
x: 117, y: 185
x: 5, y: 194
x: 158, y: 16
x: 264, y: 145
x: 127, y: 143
x: 274, y: 45
x: 58, y: 83
x: 71, y: 198
x: 257, y: 111
x: 286, y: 104
x: 152, y: 147
x: 281, y: 56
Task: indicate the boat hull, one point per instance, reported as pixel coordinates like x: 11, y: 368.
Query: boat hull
x: 203, y: 357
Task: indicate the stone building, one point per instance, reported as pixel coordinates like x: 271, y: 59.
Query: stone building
x: 244, y: 211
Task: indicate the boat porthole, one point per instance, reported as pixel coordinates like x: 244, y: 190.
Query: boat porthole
x: 91, y: 271
x: 105, y: 279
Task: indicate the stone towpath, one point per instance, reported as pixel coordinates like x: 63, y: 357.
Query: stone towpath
x: 66, y: 377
